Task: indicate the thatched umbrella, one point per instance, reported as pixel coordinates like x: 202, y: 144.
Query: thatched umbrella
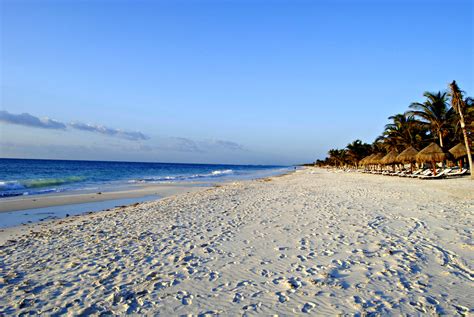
x: 458, y: 151
x: 365, y: 160
x: 376, y: 158
x: 390, y: 158
x: 408, y: 156
x: 432, y: 153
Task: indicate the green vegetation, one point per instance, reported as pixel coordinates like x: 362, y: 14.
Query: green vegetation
x: 446, y: 118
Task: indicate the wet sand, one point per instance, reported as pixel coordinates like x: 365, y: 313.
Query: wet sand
x: 48, y: 200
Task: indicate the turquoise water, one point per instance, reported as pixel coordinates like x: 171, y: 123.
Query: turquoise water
x: 20, y: 177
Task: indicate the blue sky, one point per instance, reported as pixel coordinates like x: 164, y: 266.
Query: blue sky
x: 262, y: 82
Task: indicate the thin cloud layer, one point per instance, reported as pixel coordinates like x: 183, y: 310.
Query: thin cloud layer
x: 183, y: 145
x: 28, y: 120
x: 229, y: 145
x: 180, y: 144
x: 109, y: 131
x: 175, y: 144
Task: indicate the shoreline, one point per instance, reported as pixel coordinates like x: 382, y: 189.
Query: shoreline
x: 20, y: 203
x: 120, y: 191
x: 65, y: 199
x: 310, y: 241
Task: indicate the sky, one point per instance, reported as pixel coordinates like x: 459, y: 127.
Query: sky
x: 239, y: 82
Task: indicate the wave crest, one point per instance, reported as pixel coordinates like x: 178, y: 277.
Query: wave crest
x: 38, y: 183
x: 216, y: 173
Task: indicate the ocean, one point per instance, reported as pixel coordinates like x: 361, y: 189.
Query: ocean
x: 19, y: 177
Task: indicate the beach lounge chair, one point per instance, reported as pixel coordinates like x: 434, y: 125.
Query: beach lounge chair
x: 462, y: 172
x: 406, y: 173
x: 397, y: 173
x: 439, y: 175
x: 420, y: 173
x: 413, y: 174
x: 429, y: 172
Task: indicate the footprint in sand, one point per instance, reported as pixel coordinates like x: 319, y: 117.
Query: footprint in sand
x: 186, y: 299
x: 213, y: 276
x: 302, y: 258
x: 209, y: 313
x: 282, y: 297
x: 277, y: 280
x: 308, y: 307
x: 252, y: 307
x: 238, y: 297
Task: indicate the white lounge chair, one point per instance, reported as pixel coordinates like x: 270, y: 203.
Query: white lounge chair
x: 464, y: 171
x: 420, y: 173
x: 404, y: 174
x: 439, y: 175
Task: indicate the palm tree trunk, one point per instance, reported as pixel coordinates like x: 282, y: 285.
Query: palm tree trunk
x: 442, y: 146
x: 466, y: 141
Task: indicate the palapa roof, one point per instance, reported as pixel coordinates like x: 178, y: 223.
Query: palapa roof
x: 408, y: 155
x: 390, y: 158
x: 376, y: 158
x: 458, y: 150
x: 431, y: 153
x: 366, y: 159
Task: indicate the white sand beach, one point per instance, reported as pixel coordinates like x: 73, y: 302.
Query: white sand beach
x: 312, y: 242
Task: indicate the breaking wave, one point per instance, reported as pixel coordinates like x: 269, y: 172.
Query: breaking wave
x: 38, y: 183
x: 216, y: 173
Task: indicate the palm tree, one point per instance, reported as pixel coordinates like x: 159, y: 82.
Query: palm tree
x: 338, y: 157
x: 403, y: 131
x: 434, y: 113
x: 357, y: 150
x: 460, y: 106
x: 378, y: 146
x: 468, y: 114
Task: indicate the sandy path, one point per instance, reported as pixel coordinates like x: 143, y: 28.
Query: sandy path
x: 311, y: 242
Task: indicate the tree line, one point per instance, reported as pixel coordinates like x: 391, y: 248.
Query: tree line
x: 444, y: 117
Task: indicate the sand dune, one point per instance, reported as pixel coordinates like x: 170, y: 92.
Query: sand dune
x: 312, y: 242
